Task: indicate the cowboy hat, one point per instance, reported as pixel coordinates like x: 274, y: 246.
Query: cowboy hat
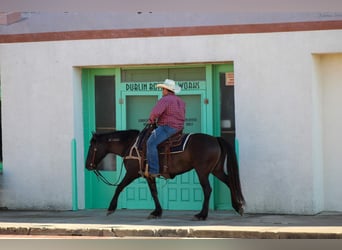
x: 170, y: 85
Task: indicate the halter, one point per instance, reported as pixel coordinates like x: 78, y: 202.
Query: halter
x: 98, y: 173
x: 92, y: 164
x: 129, y: 156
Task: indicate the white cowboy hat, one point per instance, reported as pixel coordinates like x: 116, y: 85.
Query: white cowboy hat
x: 170, y: 85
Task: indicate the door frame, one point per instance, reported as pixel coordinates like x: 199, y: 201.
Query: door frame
x: 210, y: 112
x: 222, y: 201
x: 88, y: 95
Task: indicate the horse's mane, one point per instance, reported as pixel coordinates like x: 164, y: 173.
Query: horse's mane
x: 118, y: 134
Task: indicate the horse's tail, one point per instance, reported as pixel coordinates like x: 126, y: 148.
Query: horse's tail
x: 231, y: 168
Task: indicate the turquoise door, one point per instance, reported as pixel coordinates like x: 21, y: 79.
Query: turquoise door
x: 99, y: 116
x: 184, y: 192
x: 226, y: 126
x: 136, y: 110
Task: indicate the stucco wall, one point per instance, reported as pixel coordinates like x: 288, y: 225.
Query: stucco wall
x: 275, y: 75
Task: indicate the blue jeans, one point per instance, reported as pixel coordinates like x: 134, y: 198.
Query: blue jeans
x: 160, y: 134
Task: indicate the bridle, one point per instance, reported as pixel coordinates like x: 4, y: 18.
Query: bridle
x: 92, y: 163
x: 98, y: 173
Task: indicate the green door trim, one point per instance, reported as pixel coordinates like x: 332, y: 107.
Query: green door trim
x: 88, y: 88
x: 221, y: 192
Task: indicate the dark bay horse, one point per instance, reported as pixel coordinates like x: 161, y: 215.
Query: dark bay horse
x: 204, y: 153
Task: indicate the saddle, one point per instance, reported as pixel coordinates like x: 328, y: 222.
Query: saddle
x: 174, y: 144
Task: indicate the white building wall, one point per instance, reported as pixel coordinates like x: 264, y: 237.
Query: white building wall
x: 275, y: 133
x: 276, y: 119
x: 37, y: 102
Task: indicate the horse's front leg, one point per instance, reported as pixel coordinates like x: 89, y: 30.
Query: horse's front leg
x: 125, y: 182
x: 157, y: 213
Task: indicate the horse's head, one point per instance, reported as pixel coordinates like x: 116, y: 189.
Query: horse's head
x: 96, y: 152
x: 116, y: 142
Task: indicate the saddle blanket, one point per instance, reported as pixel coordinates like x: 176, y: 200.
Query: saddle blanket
x: 180, y: 147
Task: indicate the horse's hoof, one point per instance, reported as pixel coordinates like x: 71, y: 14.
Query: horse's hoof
x: 241, y: 211
x: 198, y: 218
x: 109, y: 212
x: 151, y: 216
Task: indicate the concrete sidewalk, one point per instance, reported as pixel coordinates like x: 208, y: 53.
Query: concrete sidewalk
x: 179, y: 224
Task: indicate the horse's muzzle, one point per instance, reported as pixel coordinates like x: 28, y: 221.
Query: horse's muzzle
x: 91, y: 166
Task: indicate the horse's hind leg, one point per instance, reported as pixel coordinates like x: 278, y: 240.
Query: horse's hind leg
x: 204, y: 181
x: 237, y: 204
x: 157, y: 213
x: 125, y: 182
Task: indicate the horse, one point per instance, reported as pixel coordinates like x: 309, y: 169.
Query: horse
x: 204, y: 153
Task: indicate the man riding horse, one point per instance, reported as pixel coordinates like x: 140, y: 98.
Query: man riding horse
x: 169, y: 115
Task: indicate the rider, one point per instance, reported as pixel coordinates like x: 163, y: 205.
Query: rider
x: 169, y: 115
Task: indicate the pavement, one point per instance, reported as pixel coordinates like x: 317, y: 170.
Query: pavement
x: 173, y: 224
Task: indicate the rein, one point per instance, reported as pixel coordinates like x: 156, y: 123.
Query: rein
x: 130, y: 156
x: 100, y: 176
x: 104, y: 179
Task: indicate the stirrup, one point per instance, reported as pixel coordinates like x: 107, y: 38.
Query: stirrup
x: 152, y: 175
x: 141, y: 173
x: 148, y: 175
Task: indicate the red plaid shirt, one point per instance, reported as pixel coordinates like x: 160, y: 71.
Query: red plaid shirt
x: 169, y: 110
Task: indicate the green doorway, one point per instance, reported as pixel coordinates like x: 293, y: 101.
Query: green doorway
x: 131, y: 94
x: 223, y: 82
x: 99, y: 110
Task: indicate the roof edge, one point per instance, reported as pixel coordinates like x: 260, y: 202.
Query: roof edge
x: 171, y: 31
